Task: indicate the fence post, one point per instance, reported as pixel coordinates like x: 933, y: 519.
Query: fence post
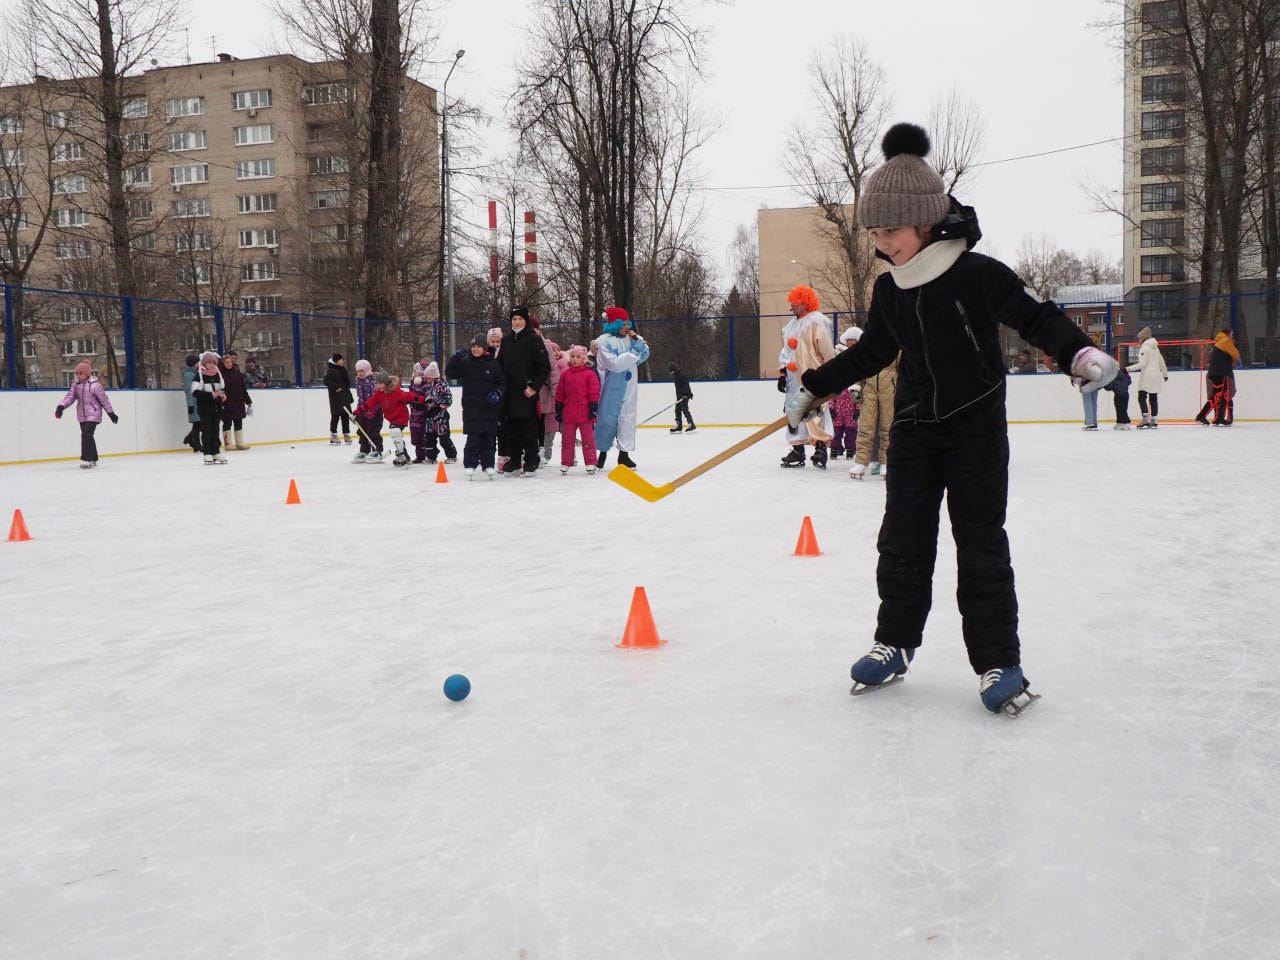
x: 296, y: 324
x: 1107, y: 337
x: 435, y: 337
x: 10, y: 338
x: 130, y: 355
x: 359, y: 337
x: 835, y: 326
x: 219, y: 330
x: 733, y: 353
x: 1235, y: 304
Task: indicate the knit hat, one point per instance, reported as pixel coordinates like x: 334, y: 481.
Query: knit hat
x: 533, y: 322
x: 672, y: 367
x: 1145, y: 333
x: 85, y: 367
x: 520, y: 311
x: 479, y: 341
x: 433, y: 371
x: 335, y: 358
x: 615, y: 313
x: 192, y: 359
x: 493, y: 332
x: 852, y: 335
x: 364, y: 366
x: 803, y: 296
x: 381, y: 378
x: 208, y: 357
x: 904, y: 191
x: 578, y: 350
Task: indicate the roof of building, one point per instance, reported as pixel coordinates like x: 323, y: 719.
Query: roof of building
x: 1089, y: 294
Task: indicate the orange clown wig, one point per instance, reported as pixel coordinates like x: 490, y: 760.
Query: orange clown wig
x: 803, y: 296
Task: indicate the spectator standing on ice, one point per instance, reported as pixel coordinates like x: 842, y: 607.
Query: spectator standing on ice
x: 547, y: 395
x: 525, y: 369
x: 844, y: 408
x: 806, y: 344
x: 874, y: 423
x: 940, y: 306
x: 1221, y: 379
x: 338, y: 384
x: 91, y: 399
x: 192, y: 439
x: 210, y: 391
x: 684, y: 393
x: 1152, y: 374
x: 619, y: 353
x: 480, y: 379
x: 238, y: 404
x: 577, y: 400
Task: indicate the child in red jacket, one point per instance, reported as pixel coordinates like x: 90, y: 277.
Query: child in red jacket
x: 393, y: 403
x: 577, y: 398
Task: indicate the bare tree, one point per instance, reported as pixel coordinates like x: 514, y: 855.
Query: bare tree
x: 958, y: 131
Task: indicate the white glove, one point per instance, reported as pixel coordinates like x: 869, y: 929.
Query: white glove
x: 797, y: 408
x: 1091, y: 369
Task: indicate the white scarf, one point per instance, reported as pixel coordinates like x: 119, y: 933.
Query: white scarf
x: 929, y: 264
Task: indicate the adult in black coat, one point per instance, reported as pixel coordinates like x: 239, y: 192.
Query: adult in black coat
x: 481, y: 381
x: 236, y: 407
x: 337, y: 383
x: 525, y: 368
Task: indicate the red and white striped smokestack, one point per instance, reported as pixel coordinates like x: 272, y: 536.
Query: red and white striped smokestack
x: 493, y: 242
x: 530, y: 252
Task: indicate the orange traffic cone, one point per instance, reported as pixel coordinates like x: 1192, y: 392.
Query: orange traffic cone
x: 18, y: 529
x: 441, y: 476
x: 641, y: 631
x: 807, y: 545
x: 293, y: 493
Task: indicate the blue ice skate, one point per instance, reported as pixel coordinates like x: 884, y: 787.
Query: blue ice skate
x: 879, y: 668
x: 1004, y: 690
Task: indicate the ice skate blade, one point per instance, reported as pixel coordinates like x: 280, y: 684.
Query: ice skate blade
x: 858, y: 688
x: 1019, y: 704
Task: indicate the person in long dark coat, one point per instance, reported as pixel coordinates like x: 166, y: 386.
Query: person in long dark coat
x: 237, y: 405
x: 337, y: 383
x: 481, y: 381
x: 525, y: 368
x: 192, y: 439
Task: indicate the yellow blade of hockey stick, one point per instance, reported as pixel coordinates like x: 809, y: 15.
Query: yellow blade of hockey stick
x: 627, y: 478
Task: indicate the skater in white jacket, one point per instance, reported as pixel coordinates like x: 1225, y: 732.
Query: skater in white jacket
x: 1152, y: 374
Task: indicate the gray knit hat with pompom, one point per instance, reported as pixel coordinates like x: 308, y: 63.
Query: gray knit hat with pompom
x: 905, y: 191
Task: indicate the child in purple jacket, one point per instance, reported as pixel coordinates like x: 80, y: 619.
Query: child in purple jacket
x: 91, y: 398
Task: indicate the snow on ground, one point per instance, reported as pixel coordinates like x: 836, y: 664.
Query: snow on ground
x: 223, y: 734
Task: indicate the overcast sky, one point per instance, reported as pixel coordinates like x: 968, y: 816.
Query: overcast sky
x: 1045, y: 79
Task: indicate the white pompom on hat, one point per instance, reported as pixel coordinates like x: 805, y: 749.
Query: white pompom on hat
x: 852, y: 335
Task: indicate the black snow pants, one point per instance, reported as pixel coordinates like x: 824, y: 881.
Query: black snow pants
x: 967, y: 457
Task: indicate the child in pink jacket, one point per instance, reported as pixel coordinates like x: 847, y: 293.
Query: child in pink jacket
x: 577, y: 397
x: 91, y: 398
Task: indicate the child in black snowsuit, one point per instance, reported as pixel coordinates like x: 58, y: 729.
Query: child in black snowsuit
x: 481, y: 379
x: 941, y: 306
x: 1119, y: 388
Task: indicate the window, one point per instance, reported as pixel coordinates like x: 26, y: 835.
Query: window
x: 15, y: 221
x: 1163, y: 125
x: 317, y: 93
x: 137, y: 142
x: 187, y: 242
x: 317, y: 133
x: 81, y: 347
x: 252, y: 272
x: 255, y: 133
x: 17, y: 255
x: 139, y: 176
x: 143, y: 242
x: 184, y: 107
x: 141, y: 209
x: 256, y: 203
x: 72, y: 250
x: 134, y: 108
x: 63, y: 152
x: 1162, y: 196
x: 329, y: 266
x: 250, y: 99
x: 10, y: 124
x: 191, y: 140
x: 200, y: 311
x: 71, y: 316
x: 324, y: 165
x: 10, y: 189
x: 1161, y: 268
x: 1161, y: 51
x: 29, y: 349
x: 262, y: 340
x: 330, y: 336
x: 329, y: 233
x: 186, y: 209
x: 324, y: 199
x: 1163, y: 233
x: 1158, y: 160
x: 64, y: 119
x: 203, y: 341
x: 195, y: 274
x: 1160, y: 16
x: 261, y: 305
x: 13, y: 157
x: 189, y: 173
x: 1160, y: 305
x: 257, y: 238
x: 1164, y: 88
x: 255, y: 169
x: 71, y: 217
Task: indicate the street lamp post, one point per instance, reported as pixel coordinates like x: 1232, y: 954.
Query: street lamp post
x: 807, y: 270
x: 447, y: 212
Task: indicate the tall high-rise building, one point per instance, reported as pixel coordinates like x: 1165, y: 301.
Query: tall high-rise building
x: 245, y: 187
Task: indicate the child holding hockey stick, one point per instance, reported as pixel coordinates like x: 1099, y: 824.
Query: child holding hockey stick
x: 941, y: 305
x: 368, y: 426
x: 90, y: 399
x: 393, y: 403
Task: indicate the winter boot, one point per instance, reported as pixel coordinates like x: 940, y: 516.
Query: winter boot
x: 226, y: 440
x: 1004, y: 690
x: 882, y: 666
x: 819, y: 457
x: 624, y: 458
x: 240, y: 444
x: 604, y: 455
x: 795, y: 458
x: 858, y: 471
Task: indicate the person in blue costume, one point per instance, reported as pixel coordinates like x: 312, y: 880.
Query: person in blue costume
x: 619, y: 354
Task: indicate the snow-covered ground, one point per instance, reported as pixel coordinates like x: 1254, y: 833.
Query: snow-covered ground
x: 222, y: 731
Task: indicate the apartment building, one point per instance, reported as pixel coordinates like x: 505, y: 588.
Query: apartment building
x: 245, y: 209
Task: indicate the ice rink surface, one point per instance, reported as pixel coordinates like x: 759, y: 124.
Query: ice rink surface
x: 222, y: 731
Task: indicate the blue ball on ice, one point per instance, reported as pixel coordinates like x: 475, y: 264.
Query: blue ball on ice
x: 457, y: 687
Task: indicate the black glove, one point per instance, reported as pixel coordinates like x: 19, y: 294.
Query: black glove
x: 114, y: 418
x: 57, y: 411
x: 593, y: 406
x: 782, y: 383
x: 559, y: 413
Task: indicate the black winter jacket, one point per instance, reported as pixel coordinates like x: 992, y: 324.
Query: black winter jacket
x: 480, y: 380
x: 949, y: 335
x: 682, y: 385
x: 338, y: 382
x: 523, y: 358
